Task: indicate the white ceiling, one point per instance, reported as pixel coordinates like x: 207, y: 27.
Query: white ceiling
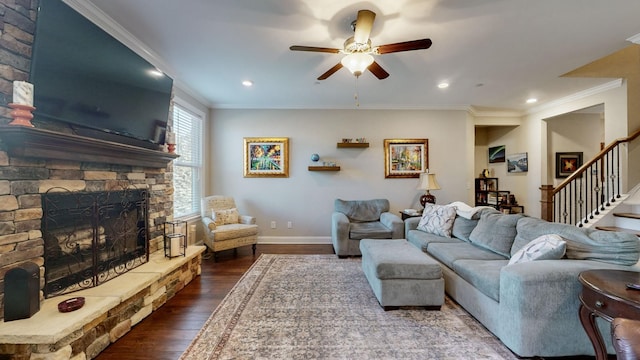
x: 494, y: 53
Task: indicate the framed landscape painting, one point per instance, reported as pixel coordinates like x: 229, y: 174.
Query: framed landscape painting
x: 497, y: 154
x: 517, y: 163
x: 266, y: 157
x: 405, y: 158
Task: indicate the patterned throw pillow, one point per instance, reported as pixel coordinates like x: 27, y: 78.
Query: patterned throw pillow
x: 224, y: 217
x: 545, y: 247
x: 437, y: 219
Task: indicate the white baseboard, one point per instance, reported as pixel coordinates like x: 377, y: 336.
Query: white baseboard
x: 298, y: 240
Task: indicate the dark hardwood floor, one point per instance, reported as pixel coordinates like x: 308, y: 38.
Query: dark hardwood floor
x: 167, y: 332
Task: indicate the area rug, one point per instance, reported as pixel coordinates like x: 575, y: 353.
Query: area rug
x: 321, y: 307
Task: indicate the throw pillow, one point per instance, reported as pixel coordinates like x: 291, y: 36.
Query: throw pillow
x: 545, y: 247
x: 224, y: 217
x: 495, y: 231
x: 437, y: 219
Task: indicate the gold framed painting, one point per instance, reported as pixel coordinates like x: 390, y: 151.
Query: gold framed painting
x: 405, y: 158
x: 266, y: 157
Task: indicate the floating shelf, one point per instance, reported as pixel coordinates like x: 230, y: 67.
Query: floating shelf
x: 324, y: 168
x: 353, y: 145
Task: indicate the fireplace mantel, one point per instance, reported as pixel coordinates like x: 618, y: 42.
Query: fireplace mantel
x: 45, y: 144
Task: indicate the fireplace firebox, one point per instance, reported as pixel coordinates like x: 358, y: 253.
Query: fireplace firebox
x: 92, y: 237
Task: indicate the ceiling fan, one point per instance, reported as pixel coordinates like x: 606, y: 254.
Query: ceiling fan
x: 359, y: 51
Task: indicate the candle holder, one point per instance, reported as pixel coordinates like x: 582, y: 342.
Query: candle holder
x: 175, y: 243
x: 21, y: 114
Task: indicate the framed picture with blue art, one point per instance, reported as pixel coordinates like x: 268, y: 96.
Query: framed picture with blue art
x: 517, y: 163
x: 266, y: 157
x: 497, y: 154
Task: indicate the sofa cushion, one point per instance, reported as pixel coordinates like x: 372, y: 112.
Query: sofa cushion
x: 463, y: 227
x: 449, y: 253
x: 544, y: 247
x: 421, y: 239
x: 483, y: 275
x: 437, y: 219
x: 370, y: 230
x: 495, y: 231
x: 582, y: 244
x: 233, y: 231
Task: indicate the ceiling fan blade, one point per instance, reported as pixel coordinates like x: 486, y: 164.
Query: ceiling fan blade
x: 314, y: 49
x: 378, y: 71
x: 364, y: 24
x: 330, y: 72
x: 404, y: 46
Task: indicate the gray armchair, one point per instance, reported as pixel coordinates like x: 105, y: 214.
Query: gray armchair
x: 354, y: 220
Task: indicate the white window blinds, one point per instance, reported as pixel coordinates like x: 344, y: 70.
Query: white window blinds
x: 187, y: 169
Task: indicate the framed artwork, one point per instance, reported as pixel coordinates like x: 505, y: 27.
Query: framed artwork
x: 497, y: 154
x: 266, y: 157
x: 405, y: 158
x: 567, y: 163
x: 517, y: 163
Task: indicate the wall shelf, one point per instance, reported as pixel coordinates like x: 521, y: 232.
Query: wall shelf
x: 324, y: 168
x: 352, y: 145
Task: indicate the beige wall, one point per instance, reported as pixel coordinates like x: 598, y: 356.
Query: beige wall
x: 306, y: 198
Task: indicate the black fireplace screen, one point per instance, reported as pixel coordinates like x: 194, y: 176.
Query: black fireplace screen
x: 92, y: 237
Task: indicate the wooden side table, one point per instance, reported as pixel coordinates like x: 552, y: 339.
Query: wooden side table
x: 604, y: 294
x: 406, y: 215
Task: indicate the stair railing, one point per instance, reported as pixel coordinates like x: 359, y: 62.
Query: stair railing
x: 589, y: 190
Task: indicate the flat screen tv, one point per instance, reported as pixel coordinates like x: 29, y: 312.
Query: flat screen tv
x: 87, y: 79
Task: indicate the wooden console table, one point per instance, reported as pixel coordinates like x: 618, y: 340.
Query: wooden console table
x: 604, y: 294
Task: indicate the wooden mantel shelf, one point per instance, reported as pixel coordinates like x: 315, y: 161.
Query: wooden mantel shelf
x: 45, y: 144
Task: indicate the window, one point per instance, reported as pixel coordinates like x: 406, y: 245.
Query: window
x: 187, y: 169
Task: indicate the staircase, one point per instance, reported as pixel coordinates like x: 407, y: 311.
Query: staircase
x: 592, y: 195
x: 625, y: 216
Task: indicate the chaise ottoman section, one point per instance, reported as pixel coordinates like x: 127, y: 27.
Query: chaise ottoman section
x: 401, y: 275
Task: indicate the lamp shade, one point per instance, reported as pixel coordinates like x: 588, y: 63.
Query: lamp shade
x: 428, y: 182
x: 357, y: 63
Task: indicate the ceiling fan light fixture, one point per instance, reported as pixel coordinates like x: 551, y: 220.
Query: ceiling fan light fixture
x: 357, y: 63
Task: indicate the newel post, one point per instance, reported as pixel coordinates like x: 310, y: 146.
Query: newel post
x: 546, y: 202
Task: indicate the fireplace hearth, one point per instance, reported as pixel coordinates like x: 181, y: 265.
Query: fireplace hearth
x: 92, y: 237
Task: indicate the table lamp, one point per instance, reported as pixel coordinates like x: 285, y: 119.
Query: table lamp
x: 428, y: 182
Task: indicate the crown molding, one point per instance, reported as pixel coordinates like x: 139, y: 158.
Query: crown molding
x: 577, y: 96
x: 634, y: 39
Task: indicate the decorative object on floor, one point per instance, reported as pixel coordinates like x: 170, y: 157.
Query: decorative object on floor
x: 175, y: 238
x: 567, y: 163
x: 428, y: 182
x: 21, y: 291
x: 223, y: 225
x: 266, y: 157
x: 497, y: 154
x: 315, y: 157
x: 517, y: 163
x: 405, y: 158
x: 318, y: 306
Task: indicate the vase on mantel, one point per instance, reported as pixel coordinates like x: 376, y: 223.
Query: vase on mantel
x: 21, y: 114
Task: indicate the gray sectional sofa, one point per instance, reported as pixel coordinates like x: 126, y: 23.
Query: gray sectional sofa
x: 531, y: 306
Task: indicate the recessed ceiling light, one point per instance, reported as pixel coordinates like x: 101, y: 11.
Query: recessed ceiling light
x: 247, y: 83
x: 443, y: 85
x: 532, y: 101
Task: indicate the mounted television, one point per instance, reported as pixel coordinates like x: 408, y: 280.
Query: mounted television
x: 87, y: 79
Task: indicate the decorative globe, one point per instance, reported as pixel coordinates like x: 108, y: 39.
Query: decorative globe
x: 315, y: 157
